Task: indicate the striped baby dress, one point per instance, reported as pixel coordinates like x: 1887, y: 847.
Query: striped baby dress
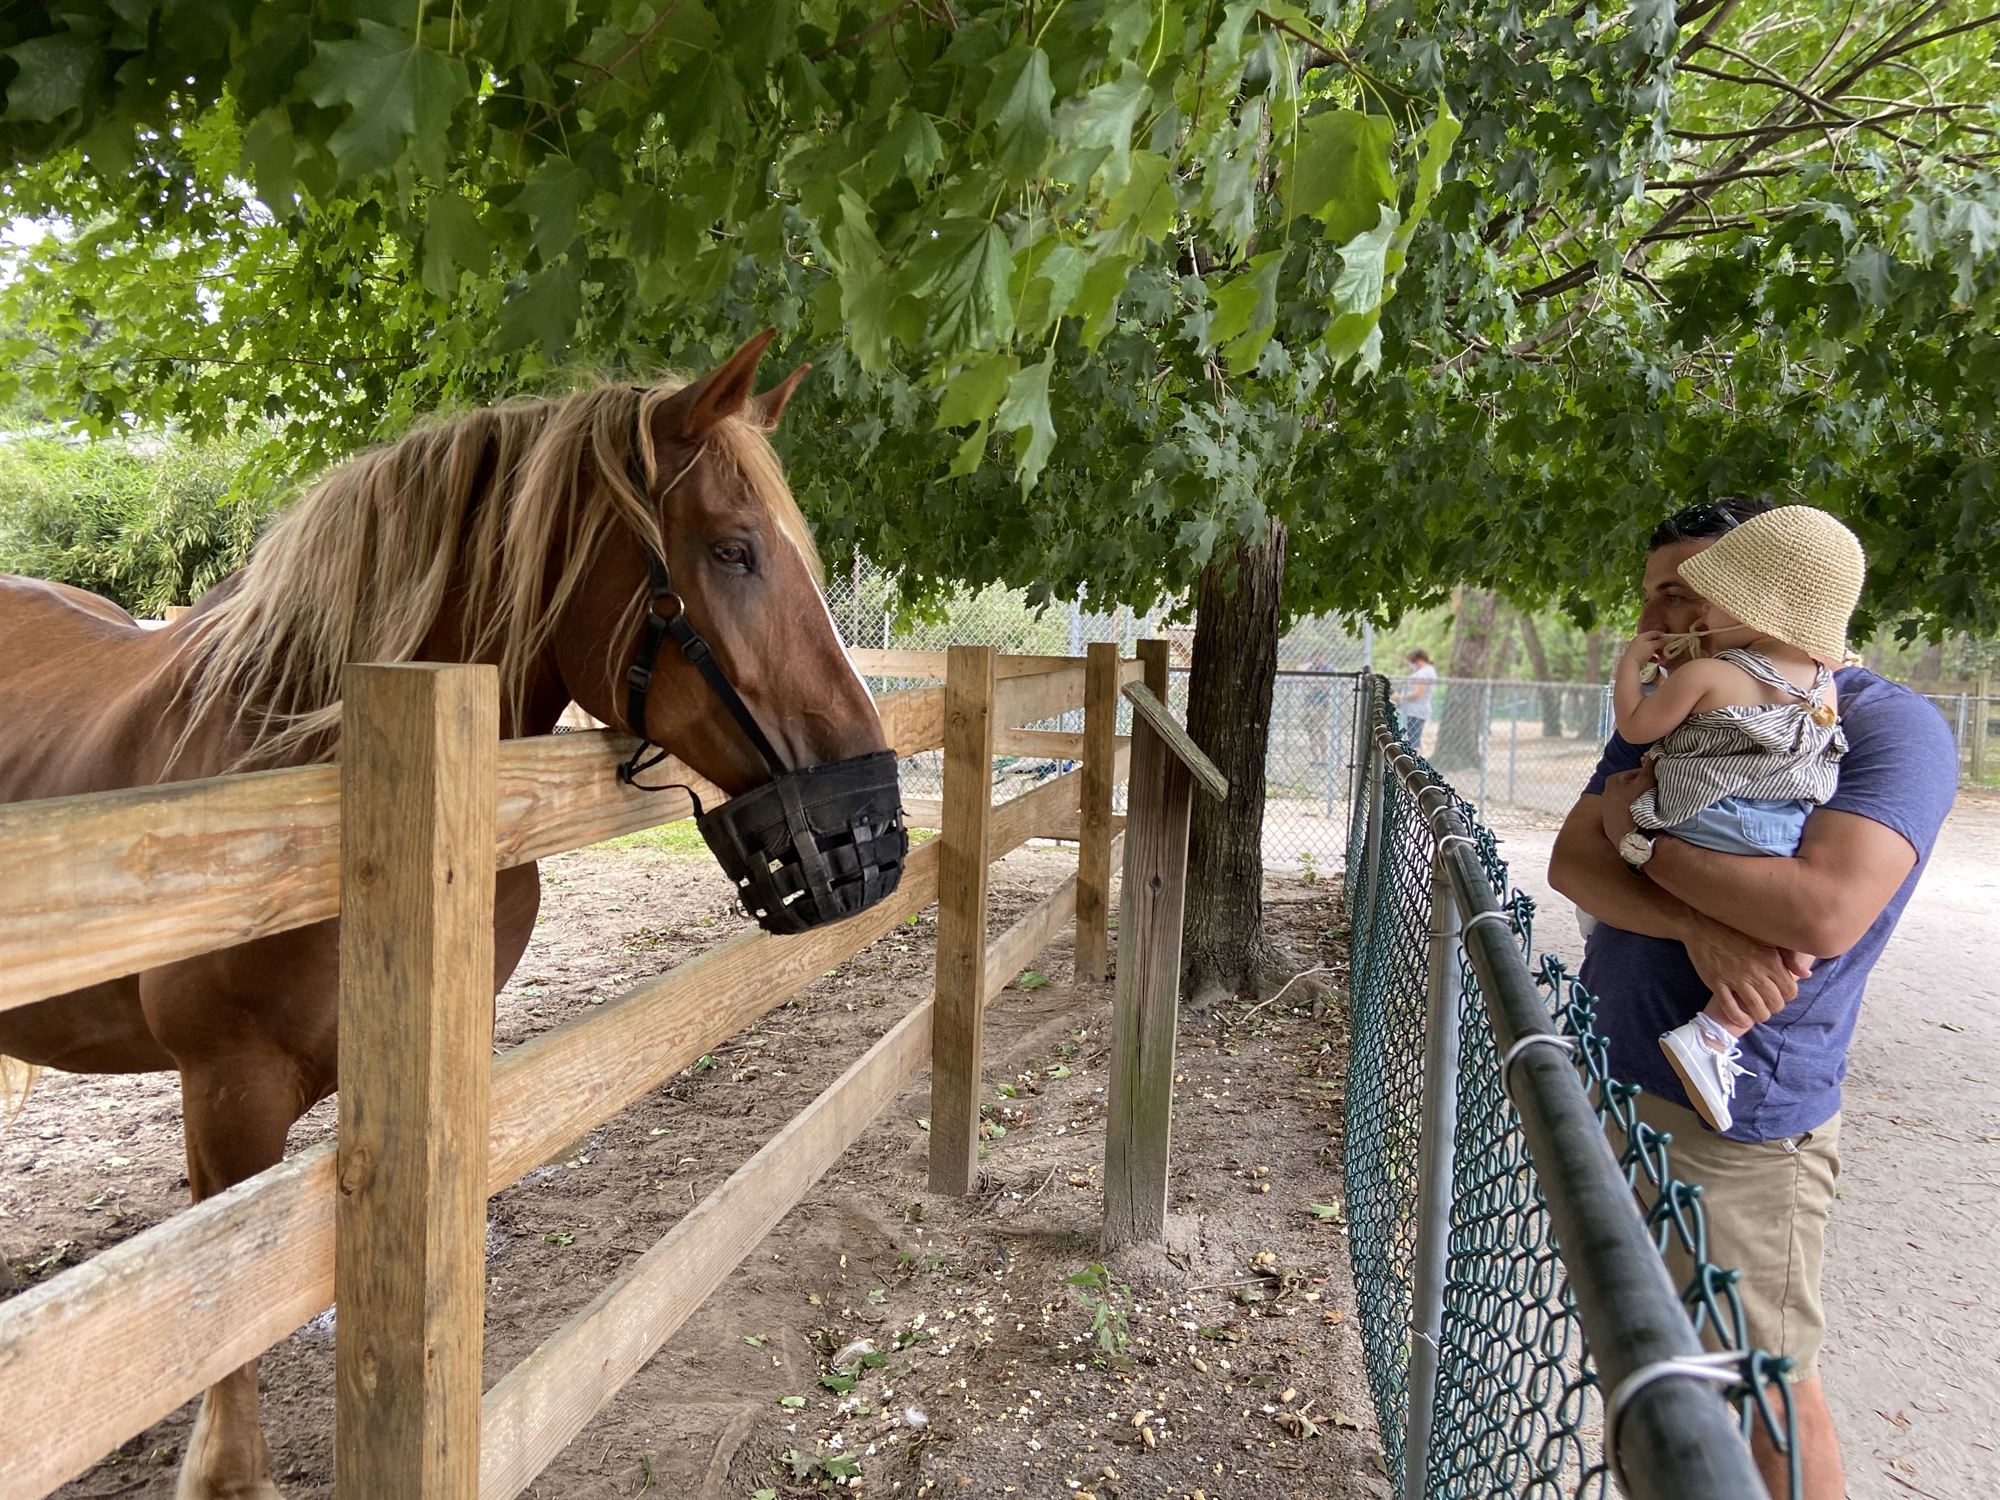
x: 1777, y: 752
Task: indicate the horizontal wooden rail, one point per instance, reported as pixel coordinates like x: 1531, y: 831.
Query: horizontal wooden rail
x: 96, y: 887
x: 1029, y: 700
x: 535, y: 1411
x: 1050, y: 744
x: 930, y: 664
x: 156, y: 1319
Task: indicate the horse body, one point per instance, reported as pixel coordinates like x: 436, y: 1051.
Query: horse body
x: 529, y: 554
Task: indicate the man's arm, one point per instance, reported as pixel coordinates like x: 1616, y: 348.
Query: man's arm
x: 1820, y: 901
x: 1750, y: 976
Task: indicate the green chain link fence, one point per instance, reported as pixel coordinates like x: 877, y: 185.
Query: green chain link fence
x: 1489, y: 1347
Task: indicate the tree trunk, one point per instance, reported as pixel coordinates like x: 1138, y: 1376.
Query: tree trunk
x: 1587, y: 711
x: 1462, y: 729
x: 1224, y: 951
x: 1552, y: 707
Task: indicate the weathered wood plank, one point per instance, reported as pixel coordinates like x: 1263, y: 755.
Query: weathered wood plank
x: 965, y: 842
x: 1139, y: 1121
x: 104, y: 1350
x: 98, y: 886
x: 1093, y: 858
x: 1154, y: 658
x: 931, y: 664
x: 419, y: 787
x: 1029, y: 700
x: 1145, y: 705
x: 544, y: 1402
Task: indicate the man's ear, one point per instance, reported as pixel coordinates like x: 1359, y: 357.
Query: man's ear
x: 691, y: 414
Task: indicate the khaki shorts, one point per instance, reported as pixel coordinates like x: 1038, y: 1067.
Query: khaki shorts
x: 1766, y: 1204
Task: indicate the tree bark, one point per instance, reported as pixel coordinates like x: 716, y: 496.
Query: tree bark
x: 1552, y: 708
x: 1461, y: 733
x: 1224, y: 950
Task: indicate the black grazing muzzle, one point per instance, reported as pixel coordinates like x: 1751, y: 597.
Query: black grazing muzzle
x: 808, y: 847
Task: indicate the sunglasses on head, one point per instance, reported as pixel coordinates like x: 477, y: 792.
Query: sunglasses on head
x: 1703, y: 520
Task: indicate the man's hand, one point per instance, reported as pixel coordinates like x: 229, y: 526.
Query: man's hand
x: 1751, y: 980
x: 1620, y: 792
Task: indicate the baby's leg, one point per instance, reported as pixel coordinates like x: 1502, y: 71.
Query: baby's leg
x: 1715, y: 1013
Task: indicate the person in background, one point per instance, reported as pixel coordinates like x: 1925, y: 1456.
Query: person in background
x: 1415, y: 704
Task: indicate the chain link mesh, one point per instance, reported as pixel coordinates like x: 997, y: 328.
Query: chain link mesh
x: 1518, y: 1409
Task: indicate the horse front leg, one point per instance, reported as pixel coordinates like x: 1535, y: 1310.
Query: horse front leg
x: 238, y: 1111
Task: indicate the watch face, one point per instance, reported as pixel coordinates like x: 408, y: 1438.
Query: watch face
x: 1636, y: 848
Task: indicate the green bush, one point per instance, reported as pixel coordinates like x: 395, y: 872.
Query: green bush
x: 146, y: 522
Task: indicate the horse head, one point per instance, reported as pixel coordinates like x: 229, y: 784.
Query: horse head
x: 723, y: 653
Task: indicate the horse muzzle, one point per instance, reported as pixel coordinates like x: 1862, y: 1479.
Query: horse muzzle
x: 813, y: 846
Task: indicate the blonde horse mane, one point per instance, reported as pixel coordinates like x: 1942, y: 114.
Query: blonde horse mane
x: 359, y: 568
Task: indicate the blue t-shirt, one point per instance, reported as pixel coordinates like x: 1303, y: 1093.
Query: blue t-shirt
x: 1901, y: 769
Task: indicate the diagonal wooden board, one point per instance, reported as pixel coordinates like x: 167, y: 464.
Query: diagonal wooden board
x: 1155, y: 713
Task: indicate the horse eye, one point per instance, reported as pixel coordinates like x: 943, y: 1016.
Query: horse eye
x: 733, y: 555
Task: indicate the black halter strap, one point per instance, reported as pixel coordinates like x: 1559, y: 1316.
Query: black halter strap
x: 666, y: 615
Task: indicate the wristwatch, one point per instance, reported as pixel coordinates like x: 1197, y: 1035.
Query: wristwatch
x: 1636, y: 848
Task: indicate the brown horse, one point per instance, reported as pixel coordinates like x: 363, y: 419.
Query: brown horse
x: 517, y: 536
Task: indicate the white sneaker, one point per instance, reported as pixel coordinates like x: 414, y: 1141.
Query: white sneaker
x: 1705, y: 1057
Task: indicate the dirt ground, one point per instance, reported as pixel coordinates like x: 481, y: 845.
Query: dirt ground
x: 1912, y: 1278
x: 882, y: 1340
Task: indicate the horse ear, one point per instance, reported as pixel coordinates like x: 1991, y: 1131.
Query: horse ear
x: 765, y: 410
x: 690, y: 414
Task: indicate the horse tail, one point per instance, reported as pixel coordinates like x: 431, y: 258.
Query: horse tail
x: 17, y: 1081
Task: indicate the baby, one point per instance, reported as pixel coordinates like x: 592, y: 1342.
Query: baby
x: 1746, y: 739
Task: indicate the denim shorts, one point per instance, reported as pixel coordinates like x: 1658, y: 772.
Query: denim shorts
x: 1743, y: 825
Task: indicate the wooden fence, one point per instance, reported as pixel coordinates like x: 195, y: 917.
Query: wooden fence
x: 93, y: 888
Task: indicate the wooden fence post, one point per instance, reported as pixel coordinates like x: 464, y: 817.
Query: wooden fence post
x: 1156, y: 657
x: 419, y: 793
x: 957, y: 1031
x: 1166, y: 767
x: 1100, y: 772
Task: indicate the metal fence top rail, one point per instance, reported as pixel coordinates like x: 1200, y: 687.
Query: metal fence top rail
x: 1668, y: 1435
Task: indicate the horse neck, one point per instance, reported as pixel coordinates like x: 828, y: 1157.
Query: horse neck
x: 533, y: 711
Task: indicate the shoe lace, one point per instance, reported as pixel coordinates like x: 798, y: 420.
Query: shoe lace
x: 1728, y: 1070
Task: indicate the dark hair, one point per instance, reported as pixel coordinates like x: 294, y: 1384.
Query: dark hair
x: 1420, y: 654
x: 1706, y: 520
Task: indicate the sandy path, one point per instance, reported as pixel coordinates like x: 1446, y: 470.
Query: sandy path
x: 1912, y: 1281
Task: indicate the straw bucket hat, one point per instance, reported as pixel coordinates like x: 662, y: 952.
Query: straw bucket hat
x: 1794, y: 573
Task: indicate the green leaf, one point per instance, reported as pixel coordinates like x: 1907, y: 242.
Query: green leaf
x: 1097, y: 135
x: 1025, y: 413
x: 1032, y: 979
x: 55, y: 72
x: 866, y: 293
x: 454, y: 241
x: 1017, y: 107
x: 1363, y: 267
x: 970, y: 455
x: 551, y: 200
x: 1097, y: 299
x: 1438, y: 138
x: 545, y: 312
x: 1246, y: 312
x: 911, y: 149
x: 1143, y: 209
x: 397, y: 92
x: 271, y: 154
x: 512, y: 32
x: 963, y: 272
x: 1338, y: 171
x: 791, y: 1403
x: 977, y: 390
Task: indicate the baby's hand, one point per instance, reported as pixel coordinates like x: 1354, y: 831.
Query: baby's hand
x: 1645, y: 646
